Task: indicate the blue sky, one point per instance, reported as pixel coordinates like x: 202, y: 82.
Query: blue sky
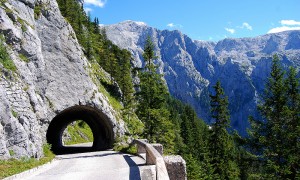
x: 203, y: 20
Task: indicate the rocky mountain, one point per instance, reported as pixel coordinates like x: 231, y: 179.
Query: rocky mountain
x: 51, y: 76
x: 191, y: 67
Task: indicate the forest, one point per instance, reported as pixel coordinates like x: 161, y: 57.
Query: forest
x: 212, y: 151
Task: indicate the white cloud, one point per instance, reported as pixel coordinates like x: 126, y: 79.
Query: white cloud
x: 290, y: 23
x: 283, y: 28
x: 231, y: 31
x: 286, y: 25
x: 99, y: 3
x: 87, y: 10
x: 171, y: 25
x: 247, y: 26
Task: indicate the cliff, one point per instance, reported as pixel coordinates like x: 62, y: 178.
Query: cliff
x: 52, y: 75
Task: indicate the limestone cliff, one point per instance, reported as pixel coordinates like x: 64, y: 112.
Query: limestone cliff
x: 52, y: 75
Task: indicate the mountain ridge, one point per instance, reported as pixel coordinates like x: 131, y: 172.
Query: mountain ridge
x: 190, y: 67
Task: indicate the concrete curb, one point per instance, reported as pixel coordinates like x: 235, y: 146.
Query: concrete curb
x: 33, y: 171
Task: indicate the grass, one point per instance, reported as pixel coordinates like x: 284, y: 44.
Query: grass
x: 129, y: 149
x: 24, y: 58
x: 14, y: 113
x: 23, y: 24
x: 99, y: 77
x: 15, y: 166
x: 80, y: 132
x: 2, y: 2
x: 37, y: 11
x: 5, y: 59
x: 26, y: 88
x: 135, y: 126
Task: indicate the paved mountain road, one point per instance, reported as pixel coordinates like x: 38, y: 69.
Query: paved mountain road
x: 102, y: 165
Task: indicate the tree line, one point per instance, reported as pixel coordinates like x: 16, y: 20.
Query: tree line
x: 271, y: 150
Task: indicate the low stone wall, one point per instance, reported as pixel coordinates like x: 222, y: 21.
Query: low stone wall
x: 176, y: 167
x: 168, y: 167
x: 153, y: 157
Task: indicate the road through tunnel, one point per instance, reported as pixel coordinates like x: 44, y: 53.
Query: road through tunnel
x: 99, y: 123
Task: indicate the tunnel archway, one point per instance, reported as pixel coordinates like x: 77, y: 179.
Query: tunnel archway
x: 99, y: 123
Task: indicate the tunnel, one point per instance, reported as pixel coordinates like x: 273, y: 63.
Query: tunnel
x: 99, y: 123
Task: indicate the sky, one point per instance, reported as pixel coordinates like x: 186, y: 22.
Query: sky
x: 209, y: 20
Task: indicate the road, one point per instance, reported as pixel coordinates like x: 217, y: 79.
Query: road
x: 103, y: 165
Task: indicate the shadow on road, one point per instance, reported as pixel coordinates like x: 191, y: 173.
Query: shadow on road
x: 134, y: 173
x: 78, y: 156
x: 74, y: 150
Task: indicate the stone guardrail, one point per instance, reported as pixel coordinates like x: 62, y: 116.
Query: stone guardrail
x: 153, y: 157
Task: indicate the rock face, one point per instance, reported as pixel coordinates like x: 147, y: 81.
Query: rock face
x: 176, y: 167
x: 191, y: 67
x: 52, y: 75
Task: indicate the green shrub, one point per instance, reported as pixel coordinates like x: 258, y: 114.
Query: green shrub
x: 125, y: 148
x: 37, y: 10
x: 47, y: 151
x: 5, y: 59
x: 2, y: 2
x: 14, y: 113
x: 23, y: 24
x: 11, y: 152
x: 24, y: 58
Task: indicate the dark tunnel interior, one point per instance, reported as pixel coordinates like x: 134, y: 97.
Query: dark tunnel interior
x: 99, y: 123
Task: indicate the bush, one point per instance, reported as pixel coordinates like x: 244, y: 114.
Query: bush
x: 5, y: 59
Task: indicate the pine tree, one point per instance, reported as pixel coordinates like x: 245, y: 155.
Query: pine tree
x: 275, y: 136
x: 293, y: 125
x: 152, y: 102
x: 221, y: 145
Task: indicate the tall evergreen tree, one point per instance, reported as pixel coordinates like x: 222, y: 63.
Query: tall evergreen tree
x: 221, y: 145
x: 292, y: 140
x: 152, y: 102
x: 275, y: 137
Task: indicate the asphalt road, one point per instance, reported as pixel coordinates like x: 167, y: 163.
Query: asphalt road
x: 103, y: 165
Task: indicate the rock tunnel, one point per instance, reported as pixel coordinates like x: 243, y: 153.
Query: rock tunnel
x: 99, y: 123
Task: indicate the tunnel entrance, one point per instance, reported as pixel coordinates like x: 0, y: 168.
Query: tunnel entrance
x: 99, y: 123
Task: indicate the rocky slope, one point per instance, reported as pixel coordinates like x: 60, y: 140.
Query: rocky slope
x: 52, y: 74
x: 190, y: 67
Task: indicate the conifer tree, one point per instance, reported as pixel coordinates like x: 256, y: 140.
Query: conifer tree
x: 152, y: 102
x: 293, y: 125
x: 275, y: 136
x: 221, y: 145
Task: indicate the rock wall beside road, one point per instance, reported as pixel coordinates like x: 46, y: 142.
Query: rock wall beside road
x: 52, y: 75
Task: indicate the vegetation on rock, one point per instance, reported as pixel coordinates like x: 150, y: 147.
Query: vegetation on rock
x: 103, y: 54
x: 15, y: 166
x: 5, y: 59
